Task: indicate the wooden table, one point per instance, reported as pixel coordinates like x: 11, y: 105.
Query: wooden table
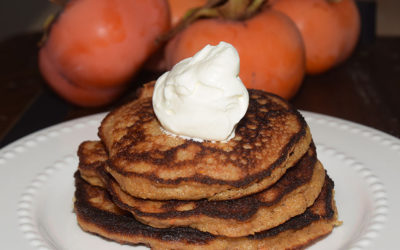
x: 365, y: 89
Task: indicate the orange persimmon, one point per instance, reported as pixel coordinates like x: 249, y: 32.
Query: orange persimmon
x: 330, y: 29
x: 95, y: 44
x: 349, y: 17
x: 269, y: 45
x: 87, y: 97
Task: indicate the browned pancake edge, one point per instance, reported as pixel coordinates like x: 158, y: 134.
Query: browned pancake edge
x: 95, y: 214
x: 290, y: 196
x: 92, y: 157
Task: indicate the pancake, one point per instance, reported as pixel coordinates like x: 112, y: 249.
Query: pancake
x: 92, y: 159
x: 149, y: 164
x: 96, y: 214
x: 290, y: 196
x: 247, y: 215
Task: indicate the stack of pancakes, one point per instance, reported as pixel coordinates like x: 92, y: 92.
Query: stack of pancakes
x: 263, y: 189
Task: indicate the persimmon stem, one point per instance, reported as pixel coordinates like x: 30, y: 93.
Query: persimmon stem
x: 254, y: 7
x: 212, y: 3
x: 234, y: 9
x: 46, y: 28
x: 226, y: 9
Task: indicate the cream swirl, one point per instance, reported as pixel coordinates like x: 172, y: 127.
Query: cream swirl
x: 202, y: 97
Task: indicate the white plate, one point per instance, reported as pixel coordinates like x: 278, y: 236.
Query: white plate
x: 36, y: 186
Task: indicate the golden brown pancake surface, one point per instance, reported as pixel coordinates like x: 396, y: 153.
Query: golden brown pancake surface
x: 92, y: 157
x: 148, y: 163
x: 290, y: 196
x: 96, y: 213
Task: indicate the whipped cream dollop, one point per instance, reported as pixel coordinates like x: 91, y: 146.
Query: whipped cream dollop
x: 202, y: 97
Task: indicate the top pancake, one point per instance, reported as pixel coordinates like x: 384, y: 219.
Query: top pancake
x: 148, y: 163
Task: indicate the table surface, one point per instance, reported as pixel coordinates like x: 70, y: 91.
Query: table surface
x: 364, y: 89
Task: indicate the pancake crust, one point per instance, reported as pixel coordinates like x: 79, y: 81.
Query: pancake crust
x: 149, y: 164
x: 290, y: 196
x: 96, y: 214
x: 92, y: 159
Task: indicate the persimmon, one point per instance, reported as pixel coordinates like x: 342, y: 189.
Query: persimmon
x: 95, y: 44
x: 330, y: 29
x: 87, y: 97
x: 351, y: 23
x: 270, y: 47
